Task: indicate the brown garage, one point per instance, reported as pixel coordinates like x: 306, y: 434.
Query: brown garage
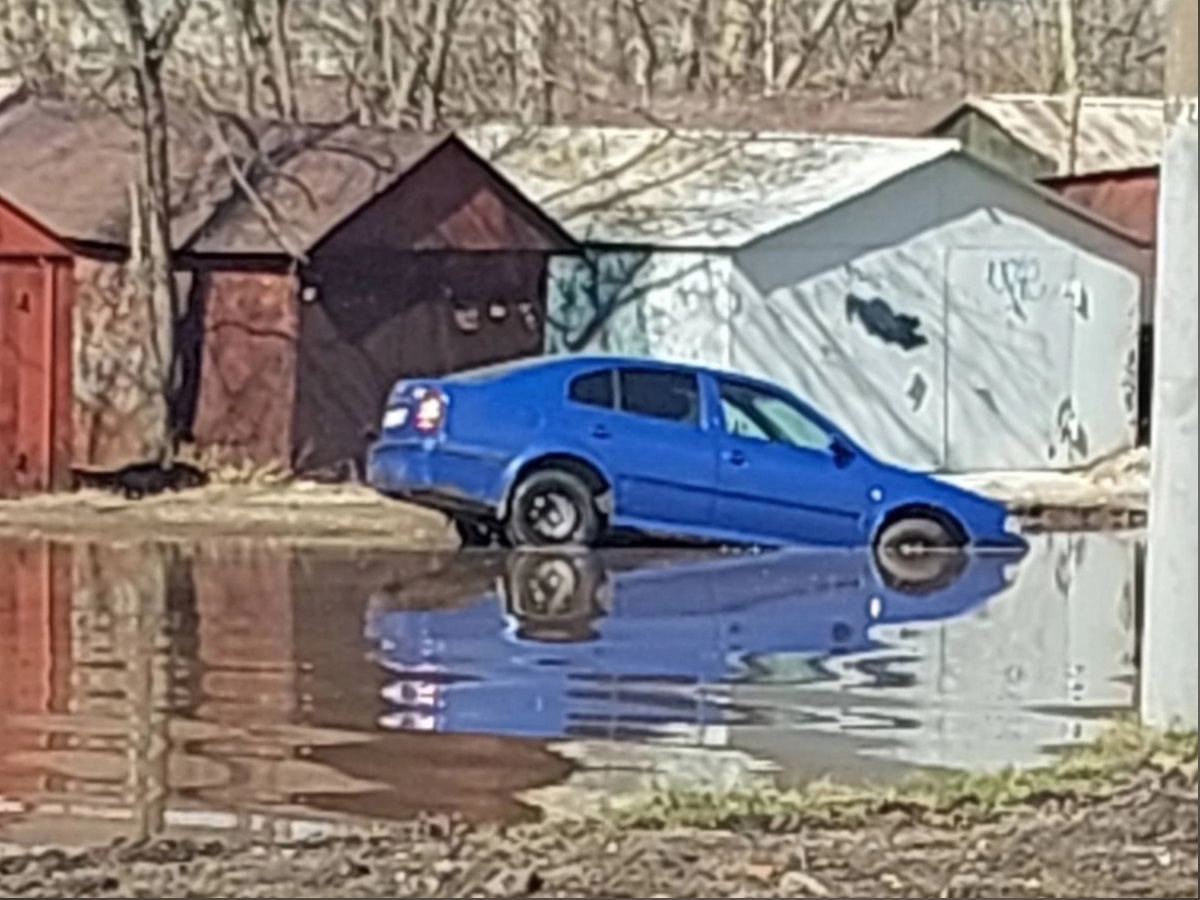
x: 320, y: 264
x: 407, y: 255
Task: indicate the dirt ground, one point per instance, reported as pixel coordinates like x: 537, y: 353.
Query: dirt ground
x: 1137, y: 840
x: 1110, y: 496
x: 291, y: 511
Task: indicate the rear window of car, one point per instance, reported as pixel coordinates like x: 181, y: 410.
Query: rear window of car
x: 658, y: 394
x: 597, y: 389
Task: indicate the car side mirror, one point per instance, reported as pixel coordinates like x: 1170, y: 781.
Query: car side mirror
x: 843, y: 453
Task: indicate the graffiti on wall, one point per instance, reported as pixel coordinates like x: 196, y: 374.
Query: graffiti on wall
x: 963, y: 352
x: 1019, y: 280
x: 879, y: 319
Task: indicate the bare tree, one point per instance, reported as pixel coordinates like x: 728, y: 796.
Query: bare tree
x: 1071, y: 78
x: 150, y: 38
x: 264, y: 34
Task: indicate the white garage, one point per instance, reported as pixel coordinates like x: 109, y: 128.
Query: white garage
x: 950, y: 317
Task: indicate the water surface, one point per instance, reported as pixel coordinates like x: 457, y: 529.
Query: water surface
x: 237, y: 687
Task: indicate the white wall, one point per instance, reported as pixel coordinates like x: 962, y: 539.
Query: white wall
x: 666, y: 305
x: 1044, y: 664
x: 1021, y: 352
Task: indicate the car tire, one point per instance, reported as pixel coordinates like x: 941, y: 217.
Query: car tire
x: 474, y: 534
x: 555, y: 596
x: 552, y: 508
x: 919, y: 555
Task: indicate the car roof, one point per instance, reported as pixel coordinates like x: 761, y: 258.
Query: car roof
x: 568, y: 365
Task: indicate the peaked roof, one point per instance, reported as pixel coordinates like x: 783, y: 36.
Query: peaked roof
x: 683, y: 188
x: 1115, y: 133
x: 238, y: 187
x: 316, y: 180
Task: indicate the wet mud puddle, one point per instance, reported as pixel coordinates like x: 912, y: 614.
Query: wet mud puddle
x: 234, y: 688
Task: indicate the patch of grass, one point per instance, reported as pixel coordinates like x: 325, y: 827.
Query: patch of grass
x: 1090, y: 771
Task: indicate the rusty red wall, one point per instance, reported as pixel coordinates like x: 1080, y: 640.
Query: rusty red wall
x: 1128, y: 199
x: 402, y: 315
x: 35, y: 357
x: 35, y: 654
x: 247, y: 380
x: 450, y: 201
x: 445, y: 271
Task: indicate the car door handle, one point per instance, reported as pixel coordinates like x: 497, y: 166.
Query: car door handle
x: 601, y: 432
x: 736, y: 458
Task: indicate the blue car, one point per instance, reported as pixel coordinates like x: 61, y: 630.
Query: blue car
x: 564, y: 450
x: 570, y: 646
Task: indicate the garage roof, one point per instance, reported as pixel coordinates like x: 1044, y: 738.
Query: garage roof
x: 684, y: 188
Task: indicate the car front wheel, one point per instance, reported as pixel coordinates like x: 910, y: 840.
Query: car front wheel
x: 919, y: 554
x: 553, y: 508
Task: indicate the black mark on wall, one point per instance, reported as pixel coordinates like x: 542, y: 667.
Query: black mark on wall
x: 881, y: 321
x: 918, y: 390
x: 1070, y: 428
x: 988, y: 398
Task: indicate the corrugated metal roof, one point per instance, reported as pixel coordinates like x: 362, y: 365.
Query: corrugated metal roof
x: 679, y: 188
x: 1128, y: 198
x: 72, y: 168
x: 905, y: 117
x: 1115, y: 133
x: 320, y: 179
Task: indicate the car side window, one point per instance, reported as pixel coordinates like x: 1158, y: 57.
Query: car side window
x: 763, y: 416
x: 659, y: 394
x: 597, y: 389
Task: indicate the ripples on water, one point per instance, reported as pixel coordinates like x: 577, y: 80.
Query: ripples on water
x: 239, y: 687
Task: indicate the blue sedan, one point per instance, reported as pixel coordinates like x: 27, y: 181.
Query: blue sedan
x: 564, y: 450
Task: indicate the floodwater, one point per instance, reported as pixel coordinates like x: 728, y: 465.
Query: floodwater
x: 236, y: 688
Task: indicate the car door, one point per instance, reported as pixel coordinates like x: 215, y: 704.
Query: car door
x: 646, y: 426
x: 782, y: 475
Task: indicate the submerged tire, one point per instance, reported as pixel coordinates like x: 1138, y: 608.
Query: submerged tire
x: 474, y: 534
x: 919, y: 554
x: 556, y: 596
x: 553, y: 508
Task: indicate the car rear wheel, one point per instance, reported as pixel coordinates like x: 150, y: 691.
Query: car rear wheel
x: 474, y: 534
x: 553, y: 508
x: 919, y: 554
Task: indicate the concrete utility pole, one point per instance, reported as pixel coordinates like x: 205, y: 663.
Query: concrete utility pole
x: 1169, y: 652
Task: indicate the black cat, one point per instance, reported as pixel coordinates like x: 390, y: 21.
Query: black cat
x: 142, y: 479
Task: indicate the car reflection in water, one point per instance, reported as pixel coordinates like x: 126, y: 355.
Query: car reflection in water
x: 584, y: 646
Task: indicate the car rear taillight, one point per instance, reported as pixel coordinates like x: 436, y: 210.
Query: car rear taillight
x: 416, y: 407
x: 431, y: 410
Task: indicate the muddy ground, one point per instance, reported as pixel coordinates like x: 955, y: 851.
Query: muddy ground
x: 301, y: 511
x: 310, y: 512
x: 1136, y: 840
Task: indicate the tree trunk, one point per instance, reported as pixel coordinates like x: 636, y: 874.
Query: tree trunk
x: 155, y: 275
x: 646, y: 57
x: 282, y: 72
x: 737, y: 38
x: 531, y: 69
x: 443, y: 40
x: 770, y: 46
x: 1072, y: 86
x: 796, y: 66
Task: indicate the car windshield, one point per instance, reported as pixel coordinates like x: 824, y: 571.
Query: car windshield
x: 760, y: 415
